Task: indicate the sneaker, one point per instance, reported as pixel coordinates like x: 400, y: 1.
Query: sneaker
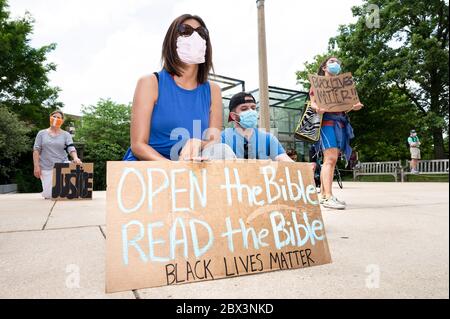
x: 332, y: 203
x: 321, y: 199
x: 339, y: 201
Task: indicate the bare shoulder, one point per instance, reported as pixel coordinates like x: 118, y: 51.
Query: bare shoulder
x: 147, y: 88
x: 147, y: 80
x: 215, y: 88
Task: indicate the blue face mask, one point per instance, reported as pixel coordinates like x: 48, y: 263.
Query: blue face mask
x: 248, y: 119
x: 334, y: 68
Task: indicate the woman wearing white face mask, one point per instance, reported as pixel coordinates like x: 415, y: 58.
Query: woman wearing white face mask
x: 336, y: 133
x: 177, y: 112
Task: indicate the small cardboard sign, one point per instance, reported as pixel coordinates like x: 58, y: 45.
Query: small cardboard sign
x: 172, y: 223
x: 334, y: 93
x: 72, y: 181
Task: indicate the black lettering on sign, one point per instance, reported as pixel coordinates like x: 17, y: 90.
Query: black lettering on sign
x: 334, y: 93
x: 291, y: 259
x: 72, y: 183
x: 348, y: 80
x: 243, y: 265
x: 176, y: 274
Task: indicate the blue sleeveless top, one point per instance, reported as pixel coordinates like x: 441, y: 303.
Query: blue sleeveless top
x: 178, y: 115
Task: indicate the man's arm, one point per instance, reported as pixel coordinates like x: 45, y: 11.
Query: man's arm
x: 280, y: 153
x: 283, y: 158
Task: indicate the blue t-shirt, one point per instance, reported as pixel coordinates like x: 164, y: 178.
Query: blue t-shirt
x: 262, y: 145
x: 178, y: 115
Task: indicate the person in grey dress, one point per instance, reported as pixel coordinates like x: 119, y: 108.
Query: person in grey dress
x: 49, y: 148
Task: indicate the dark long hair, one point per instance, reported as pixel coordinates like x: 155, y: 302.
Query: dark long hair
x: 321, y: 72
x: 171, y: 61
x: 58, y: 111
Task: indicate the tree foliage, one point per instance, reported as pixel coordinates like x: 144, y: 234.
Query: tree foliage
x: 401, y: 69
x: 105, y: 131
x: 24, y: 83
x: 25, y: 91
x: 13, y: 142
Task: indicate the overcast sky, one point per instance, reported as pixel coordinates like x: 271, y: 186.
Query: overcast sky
x: 104, y: 46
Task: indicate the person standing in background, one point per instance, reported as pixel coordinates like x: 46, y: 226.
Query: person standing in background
x: 335, y: 135
x: 52, y: 146
x: 414, y: 148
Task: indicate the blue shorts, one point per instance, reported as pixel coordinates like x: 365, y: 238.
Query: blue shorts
x: 328, y: 138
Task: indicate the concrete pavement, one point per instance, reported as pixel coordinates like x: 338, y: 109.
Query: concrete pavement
x: 391, y: 242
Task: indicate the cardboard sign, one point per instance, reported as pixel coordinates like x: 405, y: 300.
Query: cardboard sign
x: 72, y: 181
x: 334, y: 93
x: 172, y: 223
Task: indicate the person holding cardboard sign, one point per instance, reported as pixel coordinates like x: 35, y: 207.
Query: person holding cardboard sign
x: 335, y: 135
x: 178, y: 101
x: 51, y: 146
x: 245, y: 139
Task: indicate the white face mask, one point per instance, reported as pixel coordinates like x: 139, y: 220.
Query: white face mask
x: 191, y: 49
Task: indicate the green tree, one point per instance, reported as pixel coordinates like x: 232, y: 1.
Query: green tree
x: 13, y: 142
x: 24, y: 87
x: 105, y: 130
x: 401, y: 69
x: 406, y: 54
x: 24, y: 70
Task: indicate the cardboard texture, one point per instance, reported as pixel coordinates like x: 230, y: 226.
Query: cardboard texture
x: 72, y: 181
x: 334, y: 93
x: 181, y: 222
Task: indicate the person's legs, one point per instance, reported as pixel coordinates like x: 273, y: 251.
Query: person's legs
x: 415, y: 156
x: 413, y: 164
x: 330, y: 156
x: 47, y: 183
x: 329, y: 163
x: 417, y: 160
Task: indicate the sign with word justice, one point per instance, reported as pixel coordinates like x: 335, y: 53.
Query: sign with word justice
x: 172, y: 223
x: 334, y: 93
x: 72, y: 181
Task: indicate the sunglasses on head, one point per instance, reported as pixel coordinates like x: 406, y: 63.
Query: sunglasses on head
x: 186, y: 30
x: 334, y: 60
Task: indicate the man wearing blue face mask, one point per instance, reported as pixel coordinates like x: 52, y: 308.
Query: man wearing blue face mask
x: 245, y: 139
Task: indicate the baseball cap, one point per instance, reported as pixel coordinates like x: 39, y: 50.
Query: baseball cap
x: 238, y: 99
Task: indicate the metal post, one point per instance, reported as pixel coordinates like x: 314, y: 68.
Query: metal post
x: 264, y: 112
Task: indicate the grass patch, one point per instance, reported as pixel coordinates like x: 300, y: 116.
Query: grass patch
x: 408, y: 178
x: 374, y: 178
x: 427, y: 178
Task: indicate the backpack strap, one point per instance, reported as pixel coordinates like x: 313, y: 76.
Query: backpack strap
x: 268, y: 145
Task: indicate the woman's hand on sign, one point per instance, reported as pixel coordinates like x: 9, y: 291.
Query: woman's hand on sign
x: 77, y: 161
x: 317, y: 109
x: 358, y: 106
x: 37, y: 172
x: 191, y: 150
